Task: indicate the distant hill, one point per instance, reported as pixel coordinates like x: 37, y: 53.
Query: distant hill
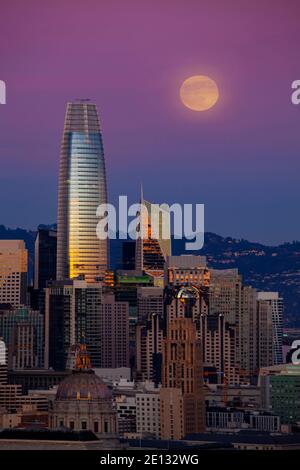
x: 272, y: 268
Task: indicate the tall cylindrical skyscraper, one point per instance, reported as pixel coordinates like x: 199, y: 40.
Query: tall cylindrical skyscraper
x: 82, y: 187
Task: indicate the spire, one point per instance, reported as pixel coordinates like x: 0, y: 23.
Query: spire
x: 139, y: 262
x: 142, y: 194
x: 83, y: 360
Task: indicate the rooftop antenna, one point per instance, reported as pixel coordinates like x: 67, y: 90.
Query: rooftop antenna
x: 82, y: 100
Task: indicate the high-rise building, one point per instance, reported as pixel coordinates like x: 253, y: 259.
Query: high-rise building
x: 187, y: 270
x: 76, y: 310
x: 149, y: 338
x: 149, y: 332
x: 225, y: 293
x: 247, y: 343
x: 126, y: 285
x: 275, y: 303
x: 218, y: 339
x: 114, y: 330
x: 265, y: 339
x: 128, y: 254
x: 251, y: 326
x: 3, y: 358
x: 60, y: 318
x: 3, y: 363
x: 153, y: 246
x: 71, y: 314
x: 148, y: 413
x: 45, y: 257
x: 280, y: 385
x: 82, y: 188
x: 150, y: 300
x: 13, y: 272
x: 182, y: 370
x: 23, y: 332
x: 172, y: 414
x: 259, y: 330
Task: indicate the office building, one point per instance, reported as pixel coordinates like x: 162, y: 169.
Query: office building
x: 280, y: 391
x: 60, y: 322
x: 126, y: 285
x: 77, y: 310
x: 148, y: 413
x: 225, y: 293
x: 23, y: 332
x: 82, y: 188
x: 72, y: 312
x: 275, y: 303
x: 265, y: 331
x: 171, y: 413
x: 149, y: 338
x: 13, y: 272
x: 149, y: 300
x: 247, y: 348
x: 218, y: 340
x: 187, y: 270
x: 153, y: 244
x: 128, y: 254
x: 126, y: 413
x: 3, y: 362
x: 183, y: 371
x: 114, y: 332
x: 249, y: 320
x: 45, y: 248
x: 219, y: 419
x: 238, y: 396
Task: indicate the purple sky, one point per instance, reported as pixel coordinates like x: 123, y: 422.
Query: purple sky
x: 241, y: 158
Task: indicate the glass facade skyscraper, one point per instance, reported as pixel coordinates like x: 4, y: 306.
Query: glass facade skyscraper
x: 82, y: 187
x: 152, y: 251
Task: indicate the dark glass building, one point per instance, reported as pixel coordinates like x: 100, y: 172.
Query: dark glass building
x: 45, y: 257
x: 128, y: 255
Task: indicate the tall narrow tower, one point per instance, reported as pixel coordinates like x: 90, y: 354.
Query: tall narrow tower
x: 82, y: 187
x: 182, y: 393
x: 152, y: 250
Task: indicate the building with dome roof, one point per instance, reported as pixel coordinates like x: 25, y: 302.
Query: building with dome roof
x: 83, y: 401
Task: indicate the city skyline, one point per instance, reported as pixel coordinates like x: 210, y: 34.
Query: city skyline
x: 149, y: 262
x: 240, y: 158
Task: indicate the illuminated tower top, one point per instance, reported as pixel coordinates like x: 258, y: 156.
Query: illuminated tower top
x: 152, y: 249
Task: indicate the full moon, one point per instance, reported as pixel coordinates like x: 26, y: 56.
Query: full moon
x: 199, y: 93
